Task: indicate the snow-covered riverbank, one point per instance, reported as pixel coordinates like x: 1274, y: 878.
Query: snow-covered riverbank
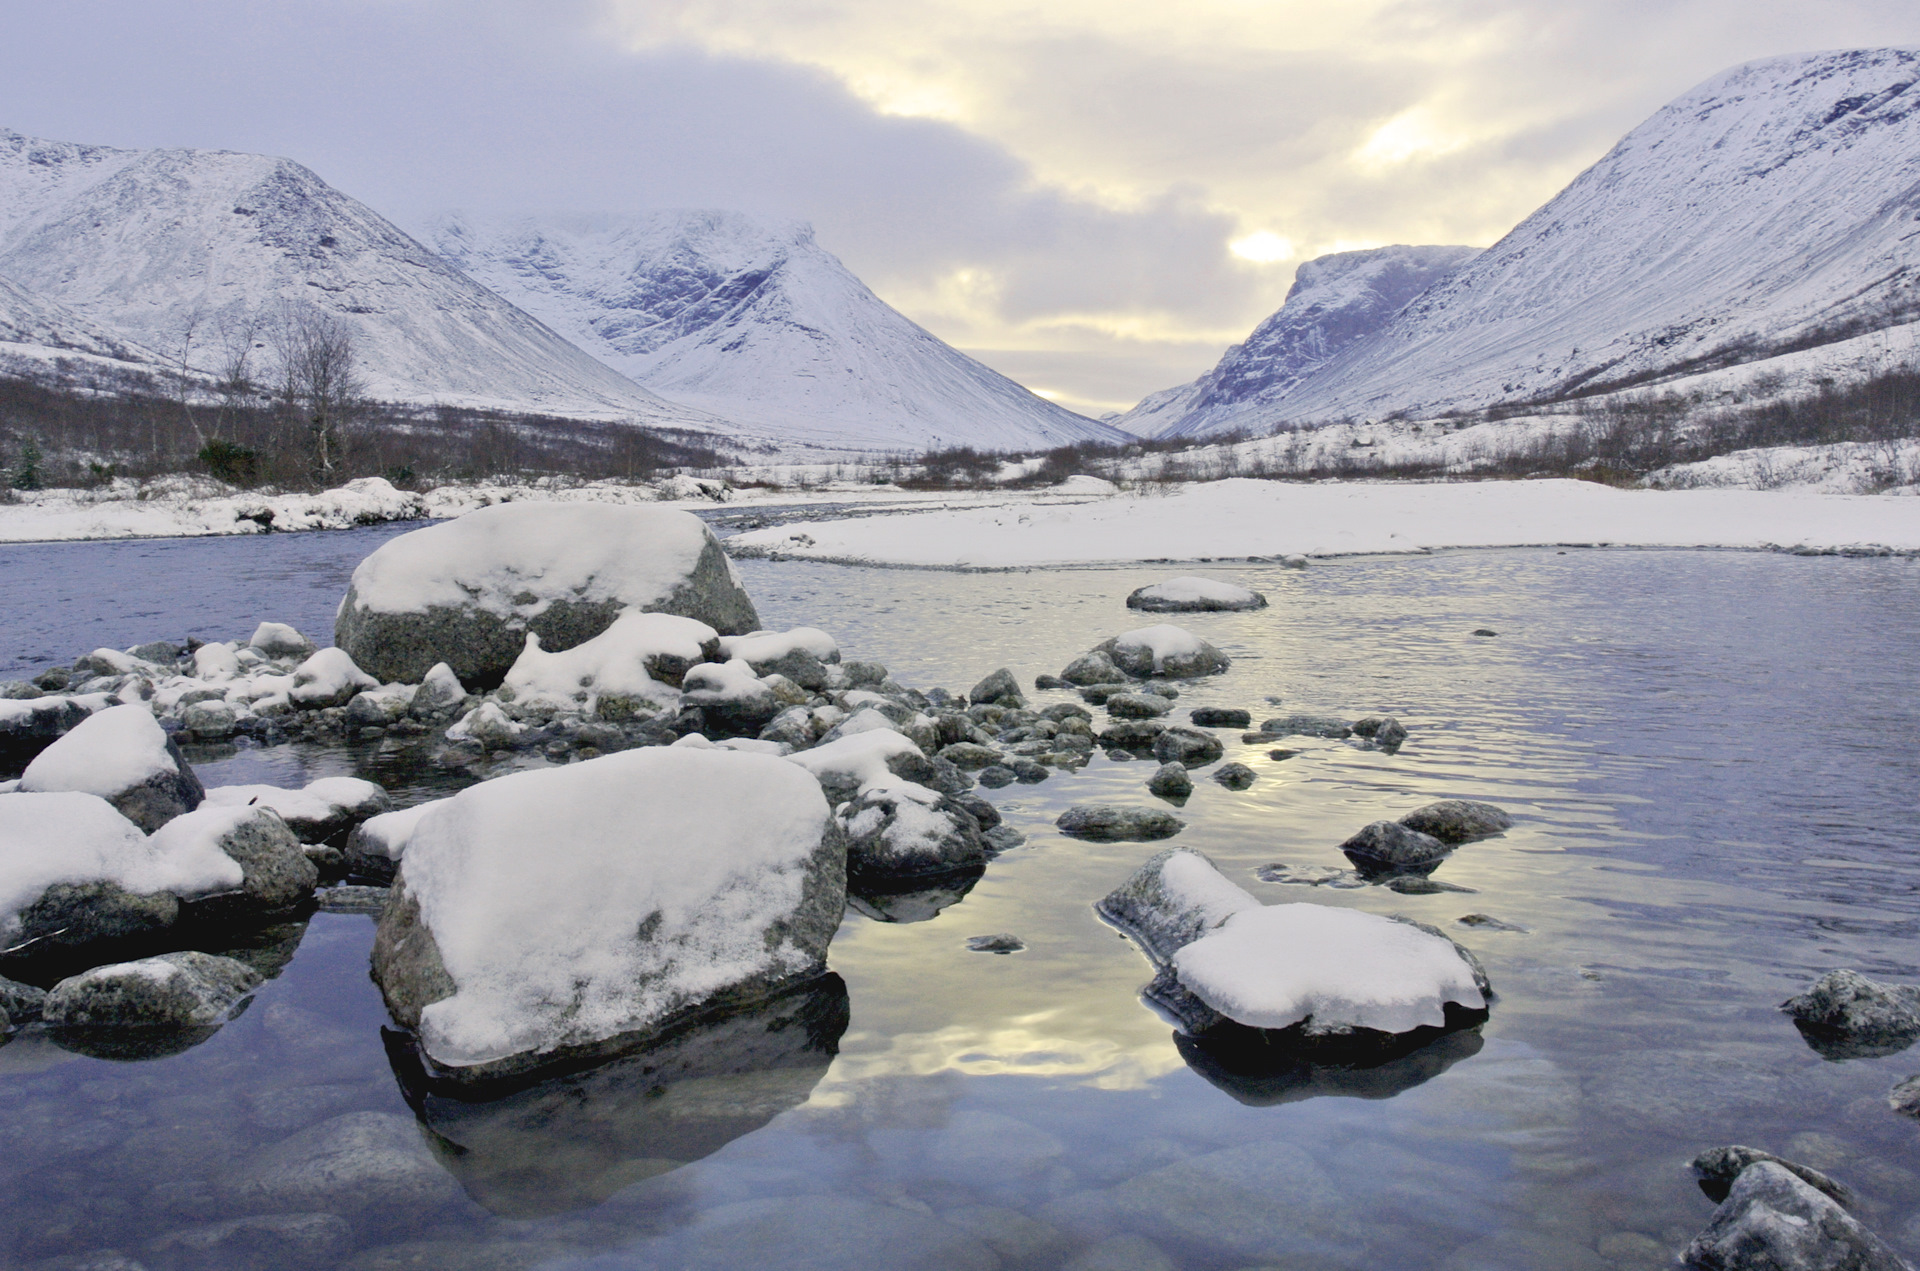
x: 1245, y: 518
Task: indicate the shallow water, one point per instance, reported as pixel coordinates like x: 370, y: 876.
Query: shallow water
x: 1709, y: 756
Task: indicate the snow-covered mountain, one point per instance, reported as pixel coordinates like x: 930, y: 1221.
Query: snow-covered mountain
x: 1335, y: 301
x: 1775, y: 207
x: 47, y: 328
x: 755, y: 322
x: 149, y: 244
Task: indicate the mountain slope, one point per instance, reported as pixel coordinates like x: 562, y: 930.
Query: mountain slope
x: 50, y: 328
x: 154, y: 244
x: 1771, y: 208
x: 1335, y: 302
x: 755, y: 322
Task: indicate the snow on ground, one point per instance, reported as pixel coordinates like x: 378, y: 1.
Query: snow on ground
x: 1852, y: 467
x: 1245, y: 518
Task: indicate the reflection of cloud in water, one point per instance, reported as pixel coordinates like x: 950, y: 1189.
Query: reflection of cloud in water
x: 572, y: 1141
x: 1024, y: 1046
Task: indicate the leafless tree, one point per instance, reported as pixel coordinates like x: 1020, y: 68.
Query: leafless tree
x: 320, y: 383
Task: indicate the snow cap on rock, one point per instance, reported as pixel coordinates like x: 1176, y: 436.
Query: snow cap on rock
x: 122, y: 755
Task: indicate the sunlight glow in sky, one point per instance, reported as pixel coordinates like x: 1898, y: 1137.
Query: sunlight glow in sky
x: 1094, y: 195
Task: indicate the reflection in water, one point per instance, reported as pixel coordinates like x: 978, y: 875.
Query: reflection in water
x: 130, y: 1043
x: 917, y: 905
x: 572, y: 1141
x: 1246, y: 1064
x: 1836, y: 1045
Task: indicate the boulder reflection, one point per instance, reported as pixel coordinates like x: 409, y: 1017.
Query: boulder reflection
x: 915, y: 902
x: 571, y: 1141
x: 1247, y: 1064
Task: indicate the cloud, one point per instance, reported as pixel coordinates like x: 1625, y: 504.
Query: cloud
x: 1088, y: 193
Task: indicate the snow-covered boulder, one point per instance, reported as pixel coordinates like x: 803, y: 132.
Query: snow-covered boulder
x: 29, y: 726
x: 275, y: 640
x: 216, y: 662
x: 905, y: 831
x: 847, y: 765
x: 1322, y: 970
x: 275, y: 873
x: 125, y: 757
x: 174, y: 990
x: 319, y: 812
x: 74, y: 871
x: 642, y: 658
x: 731, y: 696
x: 328, y: 678
x: 802, y: 654
x: 375, y: 846
x: 1195, y: 595
x: 210, y: 720
x: 440, y: 693
x: 488, y: 726
x: 571, y: 910
x: 466, y: 592
x: 1773, y: 1221
x: 1164, y: 650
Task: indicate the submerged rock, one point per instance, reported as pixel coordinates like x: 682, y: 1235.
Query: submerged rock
x: 1773, y: 1221
x: 1457, y: 820
x: 125, y: 757
x: 174, y: 990
x: 1903, y: 1098
x: 1844, y: 1015
x: 1307, y: 726
x: 1388, y: 847
x: 280, y: 1242
x: 667, y: 881
x: 1195, y: 595
x: 1107, y: 823
x: 466, y: 592
x: 373, y: 1162
x: 1000, y: 942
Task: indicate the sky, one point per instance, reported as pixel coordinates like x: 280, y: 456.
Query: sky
x: 1095, y: 197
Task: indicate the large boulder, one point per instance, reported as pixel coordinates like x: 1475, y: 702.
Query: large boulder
x: 575, y: 911
x: 321, y: 811
x: 1164, y: 650
x: 125, y: 757
x: 1195, y: 595
x: 174, y: 990
x: 1774, y: 1221
x: 73, y: 871
x: 467, y: 592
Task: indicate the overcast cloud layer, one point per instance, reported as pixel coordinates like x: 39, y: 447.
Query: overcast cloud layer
x: 1096, y: 198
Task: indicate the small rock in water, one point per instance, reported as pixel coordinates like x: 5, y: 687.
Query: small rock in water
x: 1000, y: 688
x: 1387, y: 847
x: 1049, y: 681
x: 1310, y: 876
x: 1905, y: 1097
x: 1170, y: 781
x: 1485, y: 631
x: 1107, y: 823
x: 1001, y: 942
x: 1773, y: 1221
x: 1195, y: 595
x: 174, y: 990
x: 1221, y: 717
x: 1281, y: 754
x: 1486, y: 922
x: 1308, y: 726
x: 1188, y: 746
x: 1457, y: 820
x: 1093, y: 667
x: 1137, y: 706
x: 21, y: 1003
x: 994, y: 776
x: 353, y: 900
x: 1718, y: 1167
x: 1844, y: 1015
x: 1002, y: 838
x: 1234, y: 776
x: 1391, y: 734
